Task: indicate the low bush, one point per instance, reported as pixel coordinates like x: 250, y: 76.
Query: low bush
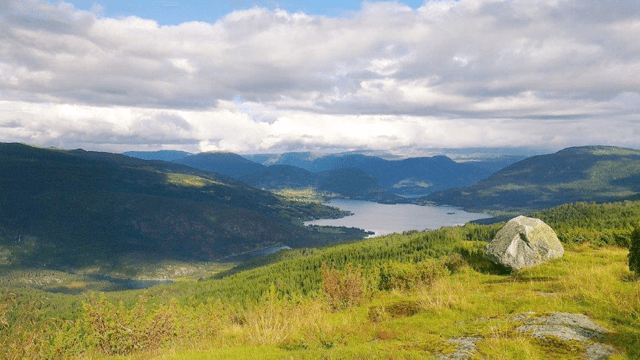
x: 343, y: 288
x: 116, y: 331
x: 406, y: 276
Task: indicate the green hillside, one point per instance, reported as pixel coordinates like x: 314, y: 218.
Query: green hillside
x: 75, y: 208
x: 345, y: 182
x: 225, y: 163
x: 592, y: 173
x: 417, y: 295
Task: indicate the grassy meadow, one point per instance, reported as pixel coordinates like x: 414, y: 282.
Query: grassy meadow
x: 400, y: 296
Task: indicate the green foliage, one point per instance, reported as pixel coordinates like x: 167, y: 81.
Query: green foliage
x: 597, y: 224
x: 406, y: 276
x: 299, y: 271
x: 634, y: 250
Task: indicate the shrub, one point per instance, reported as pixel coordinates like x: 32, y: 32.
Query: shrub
x: 343, y: 288
x: 116, y: 331
x: 634, y: 250
x: 403, y: 308
x: 405, y: 276
x: 454, y: 263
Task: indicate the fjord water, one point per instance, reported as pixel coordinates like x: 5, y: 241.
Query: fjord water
x: 386, y: 219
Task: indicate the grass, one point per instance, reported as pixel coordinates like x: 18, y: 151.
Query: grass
x: 432, y: 288
x: 308, y: 195
x: 190, y: 180
x: 468, y: 303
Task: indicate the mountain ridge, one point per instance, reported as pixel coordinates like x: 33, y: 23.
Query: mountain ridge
x: 586, y: 173
x: 82, y: 206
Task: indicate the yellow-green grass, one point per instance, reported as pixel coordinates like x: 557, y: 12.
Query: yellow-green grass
x: 307, y: 195
x: 591, y: 281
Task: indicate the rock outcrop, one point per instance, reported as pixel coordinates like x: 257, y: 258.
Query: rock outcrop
x: 576, y: 330
x: 524, y: 242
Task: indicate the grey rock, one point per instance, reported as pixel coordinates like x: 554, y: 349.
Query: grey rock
x: 598, y: 351
x: 575, y: 320
x: 522, y: 316
x: 466, y: 348
x: 566, y: 327
x: 562, y: 332
x: 524, y: 242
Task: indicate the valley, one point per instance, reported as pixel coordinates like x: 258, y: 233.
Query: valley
x: 106, y: 256
x: 320, y: 180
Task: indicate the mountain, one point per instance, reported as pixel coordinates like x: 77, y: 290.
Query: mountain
x: 408, y: 177
x: 350, y: 183
x: 590, y: 173
x: 77, y: 207
x: 164, y: 155
x: 281, y: 177
x: 297, y: 159
x: 355, y: 184
x: 303, y: 160
x: 229, y: 164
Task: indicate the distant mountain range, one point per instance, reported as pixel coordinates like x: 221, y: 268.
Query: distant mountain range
x: 590, y: 173
x: 376, y: 179
x: 348, y: 182
x: 78, y: 207
x: 506, y: 182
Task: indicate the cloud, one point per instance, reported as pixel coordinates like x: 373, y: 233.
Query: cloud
x: 448, y: 74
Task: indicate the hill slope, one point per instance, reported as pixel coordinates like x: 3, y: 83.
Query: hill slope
x: 350, y: 183
x: 407, y: 177
x: 229, y: 164
x: 419, y: 295
x: 74, y: 207
x: 591, y: 173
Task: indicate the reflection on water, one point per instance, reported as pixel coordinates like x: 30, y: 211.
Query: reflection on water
x: 385, y: 219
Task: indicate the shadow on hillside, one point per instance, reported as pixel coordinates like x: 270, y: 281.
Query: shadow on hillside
x: 477, y: 261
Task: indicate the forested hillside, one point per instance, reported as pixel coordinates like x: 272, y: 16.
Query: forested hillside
x: 343, y: 182
x: 591, y: 173
x: 72, y: 208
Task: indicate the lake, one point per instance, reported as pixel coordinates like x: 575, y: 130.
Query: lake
x: 385, y: 219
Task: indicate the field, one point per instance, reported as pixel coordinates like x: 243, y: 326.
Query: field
x: 416, y: 295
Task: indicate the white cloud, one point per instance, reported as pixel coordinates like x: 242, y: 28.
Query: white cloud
x: 449, y: 74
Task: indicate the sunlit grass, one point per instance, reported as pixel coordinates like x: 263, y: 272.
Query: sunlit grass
x: 308, y: 195
x: 190, y: 180
x: 471, y: 300
x: 468, y: 303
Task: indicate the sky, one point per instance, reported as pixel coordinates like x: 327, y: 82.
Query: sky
x: 268, y: 76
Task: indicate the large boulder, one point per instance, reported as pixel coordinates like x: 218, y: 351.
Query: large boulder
x: 524, y: 242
